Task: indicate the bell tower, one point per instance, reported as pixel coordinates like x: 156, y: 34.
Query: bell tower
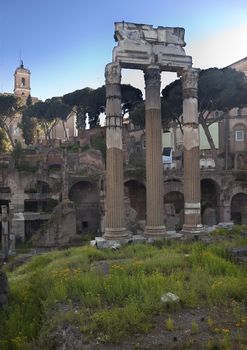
x: 22, y: 81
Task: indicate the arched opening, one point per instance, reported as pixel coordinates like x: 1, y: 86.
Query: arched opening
x: 85, y: 196
x: 43, y: 187
x: 5, y: 190
x: 38, y: 187
x: 209, y: 202
x: 38, y: 201
x: 136, y: 192
x: 174, y: 210
x: 54, y: 168
x: 240, y: 161
x: 239, y: 209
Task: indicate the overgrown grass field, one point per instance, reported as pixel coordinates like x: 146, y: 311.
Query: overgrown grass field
x: 114, y: 294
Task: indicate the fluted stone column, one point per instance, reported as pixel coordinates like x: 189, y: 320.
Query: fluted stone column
x: 65, y: 188
x: 115, y: 226
x: 192, y: 185
x: 5, y: 232
x: 154, y: 168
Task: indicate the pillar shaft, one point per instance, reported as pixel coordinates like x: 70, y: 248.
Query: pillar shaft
x: 154, y: 167
x: 115, y: 226
x: 192, y: 187
x: 65, y: 188
x: 5, y: 232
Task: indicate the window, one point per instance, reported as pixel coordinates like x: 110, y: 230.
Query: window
x: 84, y: 224
x: 216, y: 114
x: 23, y: 82
x: 239, y: 135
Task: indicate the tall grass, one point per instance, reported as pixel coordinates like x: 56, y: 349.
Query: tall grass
x: 121, y: 300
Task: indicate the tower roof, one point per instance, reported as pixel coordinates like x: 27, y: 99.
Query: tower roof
x: 21, y: 68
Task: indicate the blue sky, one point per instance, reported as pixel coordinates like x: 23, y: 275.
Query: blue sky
x: 67, y: 43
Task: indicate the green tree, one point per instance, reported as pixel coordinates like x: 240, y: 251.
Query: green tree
x: 48, y: 114
x: 17, y: 152
x: 96, y: 105
x: 29, y: 101
x: 5, y: 144
x: 80, y: 100
x: 137, y: 115
x: 218, y: 89
x: 10, y: 105
x: 28, y: 124
x: 131, y: 98
x: 91, y: 102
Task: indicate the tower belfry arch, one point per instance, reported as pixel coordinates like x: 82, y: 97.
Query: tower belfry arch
x: 152, y: 50
x: 22, y: 81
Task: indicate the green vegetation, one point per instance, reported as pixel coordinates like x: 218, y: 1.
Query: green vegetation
x: 22, y: 163
x: 170, y: 324
x: 73, y: 287
x: 25, y: 165
x: 194, y: 328
x: 50, y: 205
x: 139, y: 173
x: 98, y: 142
x: 136, y: 167
x: 10, y: 106
x: 5, y: 144
x: 54, y: 168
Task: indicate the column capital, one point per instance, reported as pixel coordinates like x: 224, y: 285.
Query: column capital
x: 190, y: 82
x: 152, y: 76
x: 113, y: 73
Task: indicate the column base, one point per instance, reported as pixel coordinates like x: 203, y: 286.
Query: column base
x: 115, y: 233
x: 156, y: 232
x: 193, y: 231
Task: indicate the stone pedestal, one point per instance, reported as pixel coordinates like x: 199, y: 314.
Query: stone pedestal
x: 115, y: 226
x: 154, y: 168
x: 192, y: 185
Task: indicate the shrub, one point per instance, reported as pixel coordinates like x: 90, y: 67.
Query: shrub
x: 170, y: 324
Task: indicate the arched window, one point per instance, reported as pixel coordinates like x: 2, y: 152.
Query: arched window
x: 23, y: 82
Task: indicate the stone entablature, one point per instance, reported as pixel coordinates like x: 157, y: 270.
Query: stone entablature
x: 141, y: 45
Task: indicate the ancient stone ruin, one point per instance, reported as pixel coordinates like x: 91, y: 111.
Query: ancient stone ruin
x: 61, y: 194
x: 152, y: 50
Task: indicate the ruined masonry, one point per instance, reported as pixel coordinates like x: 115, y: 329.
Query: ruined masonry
x: 152, y: 50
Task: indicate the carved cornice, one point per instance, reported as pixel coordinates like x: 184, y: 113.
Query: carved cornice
x: 113, y: 73
x: 190, y: 82
x: 152, y: 76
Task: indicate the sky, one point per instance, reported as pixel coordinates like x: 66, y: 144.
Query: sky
x: 67, y: 43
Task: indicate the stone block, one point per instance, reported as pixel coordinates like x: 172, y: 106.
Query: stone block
x: 169, y: 298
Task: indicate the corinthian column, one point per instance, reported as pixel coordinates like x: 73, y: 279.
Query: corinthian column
x: 115, y: 227
x: 154, y: 167
x: 192, y: 186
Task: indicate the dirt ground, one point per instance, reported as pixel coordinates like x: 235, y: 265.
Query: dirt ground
x: 215, y: 328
